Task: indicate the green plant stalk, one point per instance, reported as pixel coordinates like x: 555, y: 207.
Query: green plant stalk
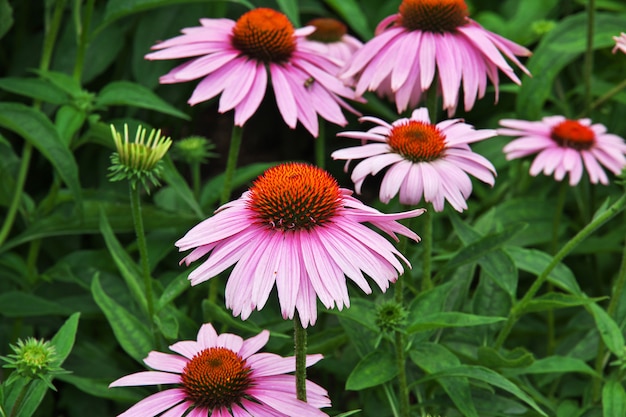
x: 588, y: 63
x: 135, y: 208
x: 400, y: 341
x: 591, y: 227
x: 427, y: 242
x: 320, y: 146
x: 607, y: 96
x: 82, y: 34
x: 195, y: 178
x: 20, y: 399
x: 299, y: 342
x: 51, y: 32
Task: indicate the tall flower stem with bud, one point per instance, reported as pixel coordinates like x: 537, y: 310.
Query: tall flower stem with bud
x: 300, y: 341
x: 139, y: 163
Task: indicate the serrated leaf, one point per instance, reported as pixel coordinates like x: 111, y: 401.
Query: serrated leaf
x: 487, y: 376
x: 431, y: 358
x: 35, y: 128
x: 132, y: 335
x: 449, y: 319
x: 374, y: 369
x: 126, y: 93
x: 35, y: 88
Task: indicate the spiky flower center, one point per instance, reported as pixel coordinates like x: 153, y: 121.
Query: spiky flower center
x: 433, y: 15
x: 417, y: 141
x: 264, y: 34
x: 295, y: 196
x: 572, y: 134
x: 327, y: 30
x: 216, y: 377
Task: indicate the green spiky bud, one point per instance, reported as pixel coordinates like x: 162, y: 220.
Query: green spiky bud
x: 194, y: 150
x: 390, y: 316
x: 33, y: 359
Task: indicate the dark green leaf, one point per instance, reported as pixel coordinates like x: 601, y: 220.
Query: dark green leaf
x: 487, y: 376
x: 613, y: 399
x: 211, y: 191
x: 362, y: 311
x: 36, y: 129
x: 63, y: 340
x: 350, y: 11
x: 556, y: 365
x: 492, y: 358
x: 374, y: 369
x: 63, y: 82
x: 215, y: 313
x: 172, y: 177
x: 100, y: 388
x: 176, y: 287
x: 450, y: 319
x: 609, y: 330
x: 126, y: 93
x: 7, y: 17
x: 432, y: 358
x: 21, y: 304
x: 132, y: 335
x: 554, y: 300
x: 35, y: 88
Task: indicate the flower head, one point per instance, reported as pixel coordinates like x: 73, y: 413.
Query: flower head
x: 566, y: 146
x: 223, y: 376
x: 333, y: 36
x: 296, y: 229
x: 424, y: 159
x: 33, y: 359
x: 194, y: 150
x: 620, y: 43
x: 233, y: 59
x: 138, y: 161
x: 427, y: 38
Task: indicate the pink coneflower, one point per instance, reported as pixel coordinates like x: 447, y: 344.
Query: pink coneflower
x: 564, y: 146
x: 620, y: 43
x: 429, y: 36
x: 334, y: 39
x: 297, y: 229
x: 234, y: 59
x: 424, y: 159
x: 223, y: 376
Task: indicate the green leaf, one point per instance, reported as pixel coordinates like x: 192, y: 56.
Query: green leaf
x: 127, y: 267
x: 350, y: 11
x: 173, y: 178
x: 554, y: 300
x: 492, y: 358
x: 63, y: 82
x: 556, y: 365
x: 167, y: 323
x: 450, y: 319
x: 100, y: 388
x: 68, y: 121
x: 216, y: 314
x: 117, y: 9
x: 210, y: 194
x: 21, y: 304
x: 126, y: 93
x: 613, y: 399
x: 7, y: 17
x: 374, y: 369
x: 176, y: 287
x: 35, y: 88
x: 132, y: 335
x: 35, y: 128
x: 362, y: 311
x: 349, y: 413
x: 488, y: 376
x: 557, y: 49
x: 609, y: 330
x: 291, y: 9
x: 536, y: 261
x: 63, y: 340
x: 431, y: 358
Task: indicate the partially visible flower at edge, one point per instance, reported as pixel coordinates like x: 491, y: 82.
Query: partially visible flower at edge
x: 223, y: 376
x: 565, y: 146
x: 428, y: 38
x: 33, y: 359
x: 424, y: 159
x: 138, y: 161
x: 333, y: 36
x: 296, y: 229
x: 620, y: 43
x: 233, y: 58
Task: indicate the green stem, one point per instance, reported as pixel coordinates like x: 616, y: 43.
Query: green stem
x: 195, y: 178
x: 299, y: 339
x: 519, y: 307
x: 135, y: 207
x: 588, y: 63
x: 82, y: 31
x: 607, y: 96
x: 427, y: 245
x: 20, y: 399
x: 320, y: 146
x: 432, y: 101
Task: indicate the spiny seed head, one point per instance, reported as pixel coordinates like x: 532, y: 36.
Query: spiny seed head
x: 437, y: 16
x: 417, y: 141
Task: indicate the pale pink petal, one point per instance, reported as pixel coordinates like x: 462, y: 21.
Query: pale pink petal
x: 155, y: 404
x: 165, y: 362
x: 146, y: 378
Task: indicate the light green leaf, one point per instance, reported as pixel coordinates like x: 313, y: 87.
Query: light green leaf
x: 132, y: 335
x: 63, y: 340
x: 350, y: 11
x: 126, y: 93
x: 374, y: 369
x: 35, y: 128
x: 556, y: 365
x: 613, y: 399
x: 362, y: 311
x: 493, y: 359
x: 291, y: 9
x: 554, y: 300
x: 609, y: 330
x: 176, y: 287
x: 68, y: 121
x: 450, y: 319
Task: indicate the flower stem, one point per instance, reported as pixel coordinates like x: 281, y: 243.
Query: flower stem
x: 231, y: 163
x: 20, y: 398
x: 320, y: 146
x: 588, y: 63
x: 299, y: 340
x: 135, y: 206
x: 82, y: 31
x: 195, y: 178
x: 591, y: 227
x: 427, y: 242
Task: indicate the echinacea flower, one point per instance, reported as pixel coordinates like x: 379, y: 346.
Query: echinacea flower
x: 566, y: 146
x: 233, y: 58
x: 429, y: 38
x: 620, y: 43
x: 333, y: 35
x: 296, y: 229
x: 223, y: 376
x: 424, y: 159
